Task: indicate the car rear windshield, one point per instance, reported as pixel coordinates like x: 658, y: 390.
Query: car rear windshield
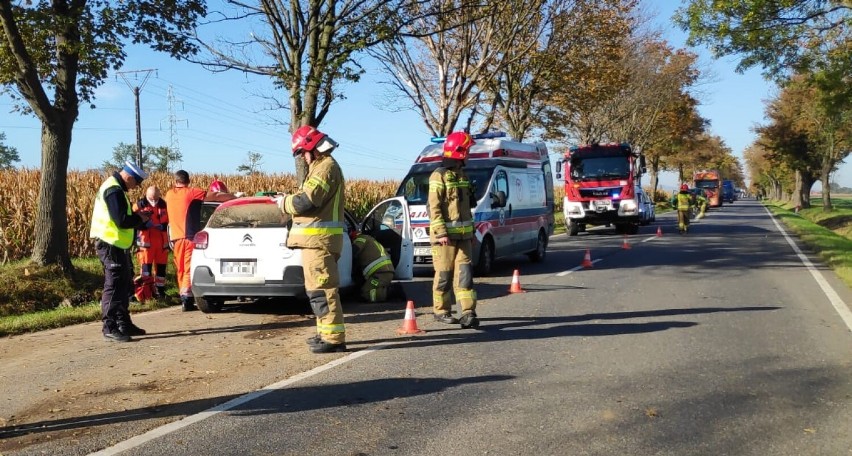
x: 248, y: 215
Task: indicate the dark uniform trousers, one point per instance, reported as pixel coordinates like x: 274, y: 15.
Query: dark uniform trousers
x: 118, y: 277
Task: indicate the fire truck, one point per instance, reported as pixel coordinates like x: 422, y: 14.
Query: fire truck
x: 711, y: 182
x: 600, y: 187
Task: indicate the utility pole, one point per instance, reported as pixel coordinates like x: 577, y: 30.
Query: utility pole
x: 174, y: 143
x: 144, y: 74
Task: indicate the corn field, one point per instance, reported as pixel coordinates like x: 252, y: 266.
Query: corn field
x: 19, y: 199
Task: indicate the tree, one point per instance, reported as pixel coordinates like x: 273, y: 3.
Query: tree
x: 53, y: 55
x: 777, y: 35
x: 8, y: 154
x: 154, y: 158
x: 254, y: 160
x: 308, y: 48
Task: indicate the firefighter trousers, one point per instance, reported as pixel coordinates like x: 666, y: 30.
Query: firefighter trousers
x: 375, y: 287
x: 683, y: 220
x: 322, y: 280
x: 453, y: 272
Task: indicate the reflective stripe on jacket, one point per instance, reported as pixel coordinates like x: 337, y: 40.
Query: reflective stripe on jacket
x: 103, y: 226
x: 370, y: 256
x: 158, y: 215
x: 684, y: 200
x: 449, y: 205
x: 319, y: 226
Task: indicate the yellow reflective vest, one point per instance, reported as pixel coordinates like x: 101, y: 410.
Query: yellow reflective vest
x: 317, y: 208
x: 684, y: 200
x: 449, y: 205
x: 103, y: 226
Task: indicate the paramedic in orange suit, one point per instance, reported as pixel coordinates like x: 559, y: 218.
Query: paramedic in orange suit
x: 184, y: 211
x: 153, y: 239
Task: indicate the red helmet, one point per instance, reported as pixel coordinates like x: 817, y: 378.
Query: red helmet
x: 684, y: 187
x: 457, y: 145
x: 306, y: 138
x: 217, y: 186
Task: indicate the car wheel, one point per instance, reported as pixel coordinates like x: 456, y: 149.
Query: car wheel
x: 540, y: 252
x: 208, y: 305
x: 486, y: 258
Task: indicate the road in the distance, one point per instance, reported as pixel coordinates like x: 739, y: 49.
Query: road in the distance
x: 718, y: 342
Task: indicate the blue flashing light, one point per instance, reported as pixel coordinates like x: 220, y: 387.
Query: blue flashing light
x: 616, y: 195
x: 438, y: 139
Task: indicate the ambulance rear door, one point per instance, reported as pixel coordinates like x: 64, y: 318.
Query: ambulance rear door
x: 390, y: 224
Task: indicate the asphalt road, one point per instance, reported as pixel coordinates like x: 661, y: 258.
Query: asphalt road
x: 717, y: 342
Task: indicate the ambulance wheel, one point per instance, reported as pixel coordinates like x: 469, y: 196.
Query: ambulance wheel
x: 540, y: 252
x: 486, y: 257
x: 572, y: 227
x: 208, y: 305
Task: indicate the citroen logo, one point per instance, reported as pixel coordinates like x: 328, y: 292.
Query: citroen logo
x: 247, y: 238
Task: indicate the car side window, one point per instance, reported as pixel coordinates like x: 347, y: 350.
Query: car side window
x: 501, y: 183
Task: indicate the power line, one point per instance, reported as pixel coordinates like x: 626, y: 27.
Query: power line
x: 145, y: 74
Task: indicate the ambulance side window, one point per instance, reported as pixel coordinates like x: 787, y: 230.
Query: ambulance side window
x: 501, y: 183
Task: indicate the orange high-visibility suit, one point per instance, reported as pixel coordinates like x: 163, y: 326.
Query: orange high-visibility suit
x: 153, y: 241
x: 184, y: 210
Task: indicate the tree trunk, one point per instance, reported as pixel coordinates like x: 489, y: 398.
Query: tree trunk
x: 807, y: 185
x: 826, y: 189
x: 51, y: 219
x: 796, y: 196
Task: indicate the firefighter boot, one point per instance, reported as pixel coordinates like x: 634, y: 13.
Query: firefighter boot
x: 469, y: 320
x: 446, y: 318
x: 327, y: 347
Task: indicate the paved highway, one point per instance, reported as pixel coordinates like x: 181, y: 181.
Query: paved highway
x: 718, y: 342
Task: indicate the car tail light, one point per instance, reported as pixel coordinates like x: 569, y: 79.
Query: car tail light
x: 200, y: 240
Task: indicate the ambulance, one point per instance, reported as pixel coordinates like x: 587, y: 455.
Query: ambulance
x: 513, y: 200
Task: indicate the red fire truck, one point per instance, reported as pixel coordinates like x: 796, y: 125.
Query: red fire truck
x: 600, y: 186
x: 711, y: 182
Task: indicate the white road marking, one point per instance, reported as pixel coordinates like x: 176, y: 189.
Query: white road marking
x: 233, y: 403
x: 832, y: 295
x: 576, y: 268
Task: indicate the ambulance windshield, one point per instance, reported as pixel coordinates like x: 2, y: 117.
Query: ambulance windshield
x: 415, y: 187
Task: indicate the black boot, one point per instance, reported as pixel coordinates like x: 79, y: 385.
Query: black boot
x: 446, y: 318
x: 469, y: 320
x: 327, y: 347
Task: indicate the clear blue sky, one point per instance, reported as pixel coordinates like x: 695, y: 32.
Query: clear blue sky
x: 221, y: 118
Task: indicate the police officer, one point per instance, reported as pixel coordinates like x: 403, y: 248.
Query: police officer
x: 682, y: 201
x: 318, y: 230
x: 374, y: 267
x: 451, y: 233
x: 113, y: 223
x: 153, y: 239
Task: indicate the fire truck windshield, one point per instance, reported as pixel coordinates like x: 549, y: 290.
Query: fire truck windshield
x: 594, y: 168
x: 707, y: 184
x: 415, y: 187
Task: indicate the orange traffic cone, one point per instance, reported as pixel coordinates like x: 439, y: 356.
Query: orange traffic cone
x: 516, y: 283
x: 409, y: 324
x: 659, y: 231
x: 587, y: 260
x: 625, y: 245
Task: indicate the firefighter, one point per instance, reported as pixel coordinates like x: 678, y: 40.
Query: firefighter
x: 217, y: 186
x: 701, y: 203
x: 153, y: 240
x: 113, y: 223
x: 683, y: 202
x: 451, y: 233
x: 373, y: 268
x: 318, y: 229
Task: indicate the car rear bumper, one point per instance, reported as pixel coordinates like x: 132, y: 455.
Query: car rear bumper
x: 292, y: 285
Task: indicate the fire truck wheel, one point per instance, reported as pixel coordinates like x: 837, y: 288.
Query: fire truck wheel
x: 486, y: 257
x: 540, y: 252
x: 572, y: 227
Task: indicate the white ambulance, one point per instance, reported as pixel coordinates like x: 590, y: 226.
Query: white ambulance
x: 513, y: 200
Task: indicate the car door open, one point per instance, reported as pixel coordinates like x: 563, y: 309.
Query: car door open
x: 390, y: 224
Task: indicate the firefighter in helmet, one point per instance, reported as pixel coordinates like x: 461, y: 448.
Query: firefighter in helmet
x: 153, y: 239
x: 451, y: 233
x: 318, y: 230
x: 683, y: 202
x: 372, y: 269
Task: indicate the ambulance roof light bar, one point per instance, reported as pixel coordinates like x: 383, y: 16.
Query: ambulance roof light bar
x: 489, y: 135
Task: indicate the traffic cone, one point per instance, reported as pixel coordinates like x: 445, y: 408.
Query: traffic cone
x: 659, y: 231
x: 625, y: 245
x: 587, y: 260
x: 516, y: 283
x: 409, y: 324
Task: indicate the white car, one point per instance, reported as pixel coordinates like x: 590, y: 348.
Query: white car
x: 242, y: 251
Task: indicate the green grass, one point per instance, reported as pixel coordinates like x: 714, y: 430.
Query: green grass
x: 828, y: 234
x: 34, y: 298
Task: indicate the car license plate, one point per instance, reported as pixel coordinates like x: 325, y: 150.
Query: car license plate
x: 601, y: 204
x: 422, y: 251
x: 239, y: 267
